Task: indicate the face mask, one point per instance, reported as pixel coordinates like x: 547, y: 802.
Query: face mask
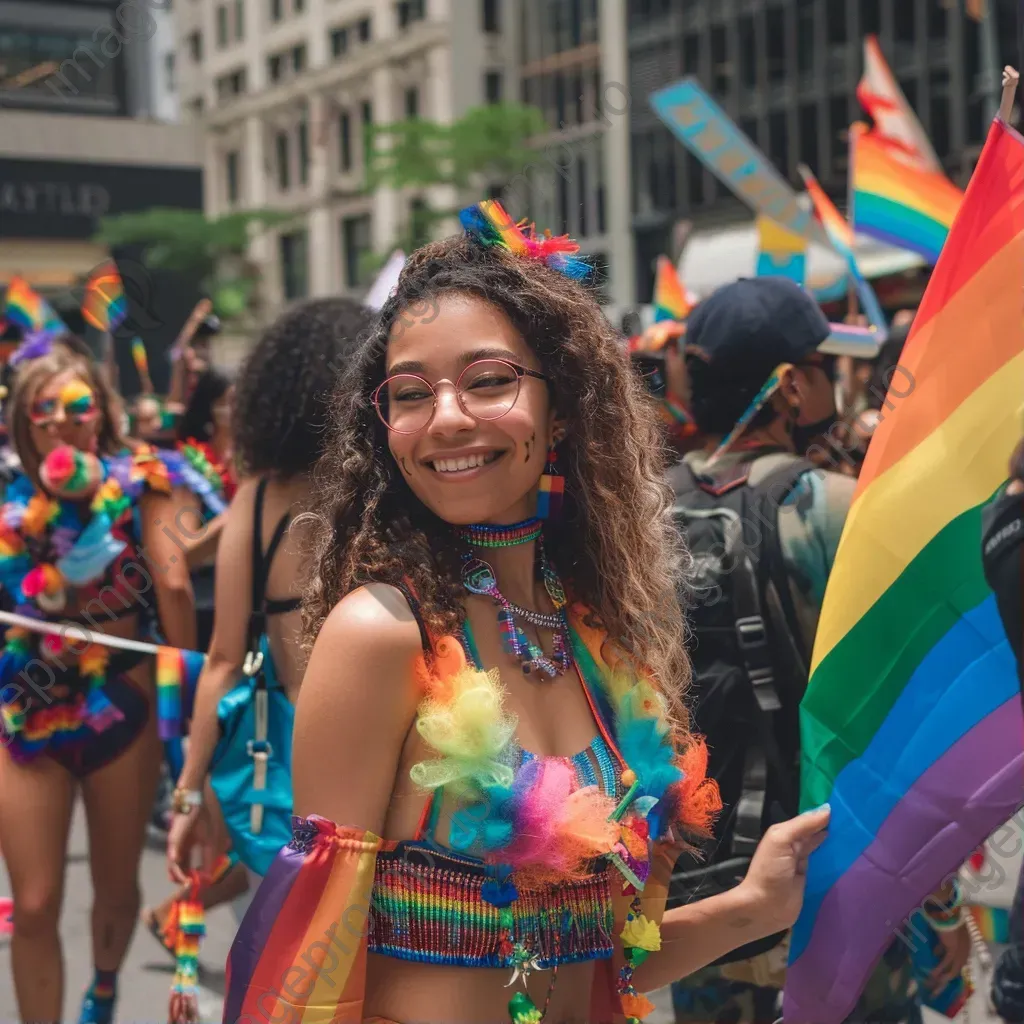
x: 804, y: 435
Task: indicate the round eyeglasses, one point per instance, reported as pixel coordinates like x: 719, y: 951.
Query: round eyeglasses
x: 486, y: 390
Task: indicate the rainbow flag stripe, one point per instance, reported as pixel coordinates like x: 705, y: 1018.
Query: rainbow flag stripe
x: 670, y: 301
x: 177, y: 673
x: 104, y: 305
x: 911, y: 724
x: 897, y: 203
x: 300, y: 953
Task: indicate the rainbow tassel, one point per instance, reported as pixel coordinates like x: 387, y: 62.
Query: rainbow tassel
x: 100, y: 714
x: 190, y: 929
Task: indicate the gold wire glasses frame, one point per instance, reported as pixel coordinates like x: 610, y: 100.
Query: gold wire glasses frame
x: 486, y: 389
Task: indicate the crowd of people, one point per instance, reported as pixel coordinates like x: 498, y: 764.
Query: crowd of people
x: 515, y: 627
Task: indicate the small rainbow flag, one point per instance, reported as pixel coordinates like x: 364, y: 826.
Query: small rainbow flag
x: 897, y: 203
x: 840, y: 234
x: 104, y: 305
x: 924, y: 757
x: 313, y: 903
x: 177, y: 672
x: 670, y: 301
x: 26, y: 308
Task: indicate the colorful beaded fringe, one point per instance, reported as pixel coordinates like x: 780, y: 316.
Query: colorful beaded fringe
x: 484, y: 535
x: 421, y: 898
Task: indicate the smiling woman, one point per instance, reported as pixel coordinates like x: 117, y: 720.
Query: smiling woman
x: 501, y: 671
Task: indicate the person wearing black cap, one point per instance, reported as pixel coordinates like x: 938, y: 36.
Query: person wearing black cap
x: 762, y: 524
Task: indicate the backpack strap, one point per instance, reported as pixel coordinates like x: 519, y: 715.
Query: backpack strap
x: 752, y: 569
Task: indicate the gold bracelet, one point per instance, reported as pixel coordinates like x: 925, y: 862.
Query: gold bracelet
x: 184, y: 801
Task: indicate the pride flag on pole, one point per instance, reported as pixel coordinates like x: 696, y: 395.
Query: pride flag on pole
x: 26, y: 308
x: 911, y: 724
x: 840, y: 234
x: 897, y: 203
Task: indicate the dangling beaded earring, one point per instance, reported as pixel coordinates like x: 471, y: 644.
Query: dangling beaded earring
x: 552, y: 488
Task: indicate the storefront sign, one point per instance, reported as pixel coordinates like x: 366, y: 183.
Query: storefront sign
x: 706, y: 130
x: 44, y: 199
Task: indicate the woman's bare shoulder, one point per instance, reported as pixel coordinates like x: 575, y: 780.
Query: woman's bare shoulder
x: 374, y: 620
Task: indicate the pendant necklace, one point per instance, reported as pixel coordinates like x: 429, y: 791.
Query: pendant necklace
x: 478, y: 578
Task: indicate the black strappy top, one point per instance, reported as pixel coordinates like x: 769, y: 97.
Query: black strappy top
x: 262, y: 560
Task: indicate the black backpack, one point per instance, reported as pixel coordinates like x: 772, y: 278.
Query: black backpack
x: 749, y: 666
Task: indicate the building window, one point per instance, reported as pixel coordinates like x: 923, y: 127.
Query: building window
x: 871, y: 17
x: 299, y: 58
x: 231, y: 85
x: 276, y: 10
x: 367, y: 113
x: 275, y: 67
x: 776, y: 39
x: 491, y: 16
x: 283, y: 169
x: 410, y: 11
x: 355, y: 243
x: 412, y: 102
x: 364, y: 30
x: 581, y: 181
x: 339, y: 42
x: 222, y: 25
x: 239, y: 19
x: 294, y: 266
x: 169, y: 76
x: 195, y: 46
x: 303, y: 152
x: 345, y: 141
x: 299, y: 6
x: 904, y: 23
x: 492, y: 86
x: 231, y: 176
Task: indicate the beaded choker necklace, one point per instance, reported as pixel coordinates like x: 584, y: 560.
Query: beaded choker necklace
x: 478, y: 578
x: 484, y: 535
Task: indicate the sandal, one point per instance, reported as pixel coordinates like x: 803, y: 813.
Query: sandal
x: 156, y: 929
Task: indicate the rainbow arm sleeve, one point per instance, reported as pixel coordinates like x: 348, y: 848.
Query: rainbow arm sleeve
x: 300, y: 954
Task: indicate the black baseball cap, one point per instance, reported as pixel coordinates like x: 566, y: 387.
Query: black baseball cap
x: 754, y: 324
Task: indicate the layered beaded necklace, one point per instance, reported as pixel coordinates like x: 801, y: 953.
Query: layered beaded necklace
x: 478, y: 578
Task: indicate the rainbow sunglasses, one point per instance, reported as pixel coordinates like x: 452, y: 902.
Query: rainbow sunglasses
x: 77, y: 401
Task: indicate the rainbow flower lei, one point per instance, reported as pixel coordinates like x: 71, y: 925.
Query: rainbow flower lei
x: 45, y: 550
x: 536, y: 820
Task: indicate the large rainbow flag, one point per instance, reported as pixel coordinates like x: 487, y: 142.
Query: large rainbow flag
x: 912, y: 725
x: 896, y: 202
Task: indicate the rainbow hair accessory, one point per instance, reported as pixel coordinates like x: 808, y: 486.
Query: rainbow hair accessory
x: 489, y: 224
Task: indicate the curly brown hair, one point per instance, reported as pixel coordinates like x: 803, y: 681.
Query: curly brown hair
x: 614, y: 544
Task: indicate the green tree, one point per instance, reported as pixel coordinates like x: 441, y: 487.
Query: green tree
x: 486, y: 147
x: 211, y: 249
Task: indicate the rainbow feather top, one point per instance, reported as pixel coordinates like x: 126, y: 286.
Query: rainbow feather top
x: 535, y: 819
x: 490, y: 225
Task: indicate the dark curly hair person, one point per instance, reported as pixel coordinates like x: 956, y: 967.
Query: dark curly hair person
x: 280, y: 414
x: 494, y: 692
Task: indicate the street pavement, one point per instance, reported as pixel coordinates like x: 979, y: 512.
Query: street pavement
x: 146, y: 977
